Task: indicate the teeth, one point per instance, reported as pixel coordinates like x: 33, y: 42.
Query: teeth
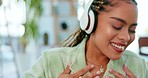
x: 118, y: 46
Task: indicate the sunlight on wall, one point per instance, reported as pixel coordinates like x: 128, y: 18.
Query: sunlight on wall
x: 142, y: 28
x: 12, y: 18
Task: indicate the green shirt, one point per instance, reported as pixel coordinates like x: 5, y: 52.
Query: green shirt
x: 52, y: 63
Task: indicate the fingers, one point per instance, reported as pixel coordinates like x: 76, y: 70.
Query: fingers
x: 67, y: 70
x: 83, y: 71
x: 90, y: 75
x: 80, y: 73
x: 108, y: 77
x: 128, y: 72
x: 93, y: 75
x: 65, y: 73
x: 117, y: 74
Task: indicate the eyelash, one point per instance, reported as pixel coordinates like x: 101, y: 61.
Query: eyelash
x: 132, y: 31
x: 118, y: 28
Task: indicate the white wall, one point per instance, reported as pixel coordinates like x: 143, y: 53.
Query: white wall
x: 142, y: 28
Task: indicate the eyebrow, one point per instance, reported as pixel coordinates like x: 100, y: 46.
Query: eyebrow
x: 123, y: 21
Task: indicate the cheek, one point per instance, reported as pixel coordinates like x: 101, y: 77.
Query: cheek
x: 110, y: 33
x: 132, y: 38
x: 105, y: 33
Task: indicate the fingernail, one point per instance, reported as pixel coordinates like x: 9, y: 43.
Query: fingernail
x: 92, y: 66
x: 110, y: 70
x: 98, y: 72
x: 97, y: 77
x: 69, y: 63
x: 107, y: 77
x: 125, y: 65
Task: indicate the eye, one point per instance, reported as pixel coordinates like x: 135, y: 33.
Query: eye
x: 132, y: 29
x: 117, y: 27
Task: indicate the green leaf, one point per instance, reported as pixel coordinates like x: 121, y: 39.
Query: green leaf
x: 31, y: 27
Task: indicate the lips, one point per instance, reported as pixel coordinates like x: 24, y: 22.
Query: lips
x: 118, y: 47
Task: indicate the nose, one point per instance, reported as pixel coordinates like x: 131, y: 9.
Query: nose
x: 124, y: 36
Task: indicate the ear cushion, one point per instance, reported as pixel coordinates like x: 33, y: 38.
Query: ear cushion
x: 91, y: 22
x: 87, y: 19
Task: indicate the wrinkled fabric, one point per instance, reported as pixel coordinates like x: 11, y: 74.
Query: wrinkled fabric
x: 53, y: 62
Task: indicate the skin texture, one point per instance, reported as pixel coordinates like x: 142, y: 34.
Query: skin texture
x: 115, y: 26
x: 106, y: 33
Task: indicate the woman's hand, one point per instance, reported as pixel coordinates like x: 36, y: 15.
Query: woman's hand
x: 78, y: 74
x: 129, y: 74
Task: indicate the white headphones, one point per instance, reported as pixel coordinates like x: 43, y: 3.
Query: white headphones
x: 87, y: 19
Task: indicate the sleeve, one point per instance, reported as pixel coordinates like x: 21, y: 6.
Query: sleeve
x: 144, y: 69
x: 136, y: 64
x: 39, y: 69
x: 147, y: 70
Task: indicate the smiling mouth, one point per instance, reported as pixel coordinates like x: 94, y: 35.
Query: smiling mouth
x: 118, y: 47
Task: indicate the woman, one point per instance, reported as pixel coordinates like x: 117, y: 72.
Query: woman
x: 97, y: 48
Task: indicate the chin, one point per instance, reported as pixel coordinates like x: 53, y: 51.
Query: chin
x: 115, y: 57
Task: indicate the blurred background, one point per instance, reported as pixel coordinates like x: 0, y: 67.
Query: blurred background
x: 28, y: 27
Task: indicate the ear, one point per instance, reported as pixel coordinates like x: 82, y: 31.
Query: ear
x: 87, y: 19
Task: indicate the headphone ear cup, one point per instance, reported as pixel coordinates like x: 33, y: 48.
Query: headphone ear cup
x: 86, y: 16
x: 91, y: 22
x: 84, y: 20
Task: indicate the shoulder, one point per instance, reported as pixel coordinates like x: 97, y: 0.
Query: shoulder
x: 47, y: 63
x: 65, y: 51
x: 59, y: 52
x: 57, y: 57
x: 131, y: 57
x: 135, y: 63
x: 130, y: 54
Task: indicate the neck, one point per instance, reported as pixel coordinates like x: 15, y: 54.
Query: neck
x: 94, y: 55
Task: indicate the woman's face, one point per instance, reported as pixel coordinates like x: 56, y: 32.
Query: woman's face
x: 115, y: 30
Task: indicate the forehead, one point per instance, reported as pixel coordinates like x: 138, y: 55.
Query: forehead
x: 124, y: 11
